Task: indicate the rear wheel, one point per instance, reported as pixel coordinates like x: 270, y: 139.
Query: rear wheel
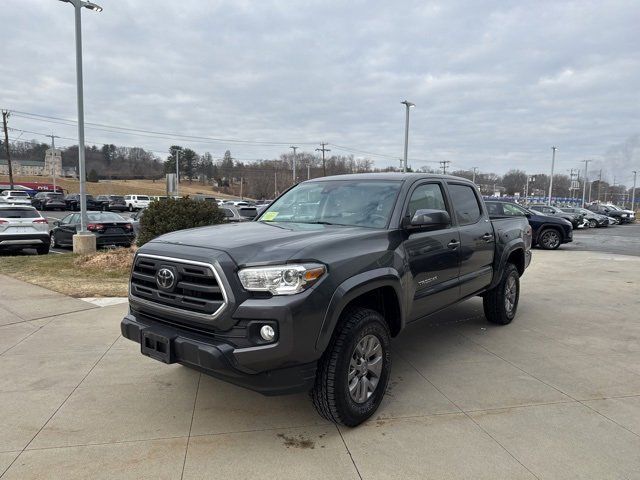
x: 549, y: 239
x: 501, y: 302
x: 130, y: 208
x: 593, y: 223
x: 54, y: 241
x: 354, y: 371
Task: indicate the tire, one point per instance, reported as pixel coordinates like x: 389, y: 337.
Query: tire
x: 593, y: 223
x: 42, y: 250
x: 130, y: 208
x: 54, y: 241
x: 354, y: 339
x: 549, y: 239
x: 501, y: 302
x: 104, y: 208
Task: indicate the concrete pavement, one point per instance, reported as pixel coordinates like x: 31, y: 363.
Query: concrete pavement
x: 555, y: 395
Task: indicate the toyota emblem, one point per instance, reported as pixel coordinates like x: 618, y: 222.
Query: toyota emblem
x: 165, y: 278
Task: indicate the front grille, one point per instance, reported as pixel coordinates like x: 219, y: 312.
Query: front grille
x: 197, y: 287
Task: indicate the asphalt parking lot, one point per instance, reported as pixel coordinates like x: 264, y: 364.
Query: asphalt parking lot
x: 554, y: 395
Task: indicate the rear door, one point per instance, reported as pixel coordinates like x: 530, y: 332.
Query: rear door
x: 432, y: 255
x: 477, y: 242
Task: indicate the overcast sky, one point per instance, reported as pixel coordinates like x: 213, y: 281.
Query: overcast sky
x: 495, y: 83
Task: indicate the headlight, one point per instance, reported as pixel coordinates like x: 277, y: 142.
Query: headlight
x: 281, y: 279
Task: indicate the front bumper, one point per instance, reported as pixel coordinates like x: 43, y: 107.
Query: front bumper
x: 216, y: 358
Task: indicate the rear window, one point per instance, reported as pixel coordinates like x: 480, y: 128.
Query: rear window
x: 116, y: 197
x: 104, y: 217
x: 57, y: 196
x: 18, y: 213
x: 18, y: 194
x: 143, y: 197
x: 248, y: 212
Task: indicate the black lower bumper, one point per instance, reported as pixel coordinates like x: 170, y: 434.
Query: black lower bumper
x: 215, y: 358
x: 24, y: 239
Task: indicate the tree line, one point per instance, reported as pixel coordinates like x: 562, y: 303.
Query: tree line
x: 267, y: 178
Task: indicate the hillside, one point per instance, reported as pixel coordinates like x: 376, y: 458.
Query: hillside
x: 119, y: 187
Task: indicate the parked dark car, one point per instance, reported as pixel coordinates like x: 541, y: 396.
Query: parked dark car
x: 112, y: 202
x: 72, y: 202
x: 576, y: 219
x: 48, y: 201
x: 308, y: 296
x: 549, y: 232
x: 595, y: 219
x: 624, y: 216
x: 108, y: 227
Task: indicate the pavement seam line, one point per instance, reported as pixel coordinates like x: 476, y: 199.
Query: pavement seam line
x: 193, y: 414
x: 581, y: 402
x: 348, y: 451
x: 61, y: 405
x: 23, y: 339
x: 472, y: 420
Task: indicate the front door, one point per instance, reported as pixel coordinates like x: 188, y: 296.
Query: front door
x: 477, y: 242
x: 432, y: 255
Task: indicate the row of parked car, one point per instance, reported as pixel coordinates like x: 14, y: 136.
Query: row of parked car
x: 57, y: 201
x: 552, y: 226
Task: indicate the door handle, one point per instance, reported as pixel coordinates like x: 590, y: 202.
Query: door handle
x: 453, y: 244
x: 487, y: 237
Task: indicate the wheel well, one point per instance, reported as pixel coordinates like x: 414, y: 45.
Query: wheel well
x: 384, y: 301
x: 517, y: 258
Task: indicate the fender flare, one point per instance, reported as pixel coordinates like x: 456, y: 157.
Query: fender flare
x: 352, y: 288
x: 512, y: 246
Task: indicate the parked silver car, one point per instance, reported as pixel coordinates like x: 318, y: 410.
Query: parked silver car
x: 238, y: 214
x: 23, y: 227
x: 15, y: 197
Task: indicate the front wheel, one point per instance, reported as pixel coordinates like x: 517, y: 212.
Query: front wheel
x: 354, y: 371
x: 549, y: 239
x: 501, y: 302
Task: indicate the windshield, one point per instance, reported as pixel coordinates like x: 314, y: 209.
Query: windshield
x: 19, y: 194
x: 364, y: 203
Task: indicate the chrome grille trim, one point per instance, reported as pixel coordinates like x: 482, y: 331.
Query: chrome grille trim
x: 215, y: 269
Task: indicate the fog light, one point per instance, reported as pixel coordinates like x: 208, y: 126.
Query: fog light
x: 267, y: 333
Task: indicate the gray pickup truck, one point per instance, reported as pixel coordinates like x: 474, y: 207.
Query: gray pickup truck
x: 308, y: 296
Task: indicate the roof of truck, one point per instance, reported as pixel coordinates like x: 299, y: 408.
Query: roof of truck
x: 386, y: 176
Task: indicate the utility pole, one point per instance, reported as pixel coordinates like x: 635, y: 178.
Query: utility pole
x: 584, y: 183
x: 408, y: 105
x: 294, y: 163
x: 553, y: 164
x: 475, y: 169
x: 633, y: 192
x: 323, y: 149
x: 177, y: 171
x: 444, y: 164
x: 275, y: 182
x: 241, y: 187
x: 599, y: 183
x: 5, y: 117
x: 308, y: 171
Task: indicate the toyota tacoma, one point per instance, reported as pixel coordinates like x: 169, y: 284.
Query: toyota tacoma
x: 308, y: 296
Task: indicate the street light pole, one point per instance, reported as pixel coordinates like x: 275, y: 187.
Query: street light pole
x: 408, y: 105
x: 584, y: 182
x: 553, y: 164
x: 90, y: 245
x: 633, y: 192
x: 475, y: 169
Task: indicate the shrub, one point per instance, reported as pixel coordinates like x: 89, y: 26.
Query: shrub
x: 93, y: 176
x: 164, y: 216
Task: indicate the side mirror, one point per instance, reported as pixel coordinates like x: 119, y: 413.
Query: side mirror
x: 427, y: 218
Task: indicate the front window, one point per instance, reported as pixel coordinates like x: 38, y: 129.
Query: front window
x: 364, y: 203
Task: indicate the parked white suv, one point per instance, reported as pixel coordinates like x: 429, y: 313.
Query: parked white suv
x: 136, y: 202
x: 23, y: 227
x: 15, y: 197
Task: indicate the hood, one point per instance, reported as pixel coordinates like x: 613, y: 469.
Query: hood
x: 262, y: 242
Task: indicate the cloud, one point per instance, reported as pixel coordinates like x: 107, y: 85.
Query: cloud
x: 495, y: 83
